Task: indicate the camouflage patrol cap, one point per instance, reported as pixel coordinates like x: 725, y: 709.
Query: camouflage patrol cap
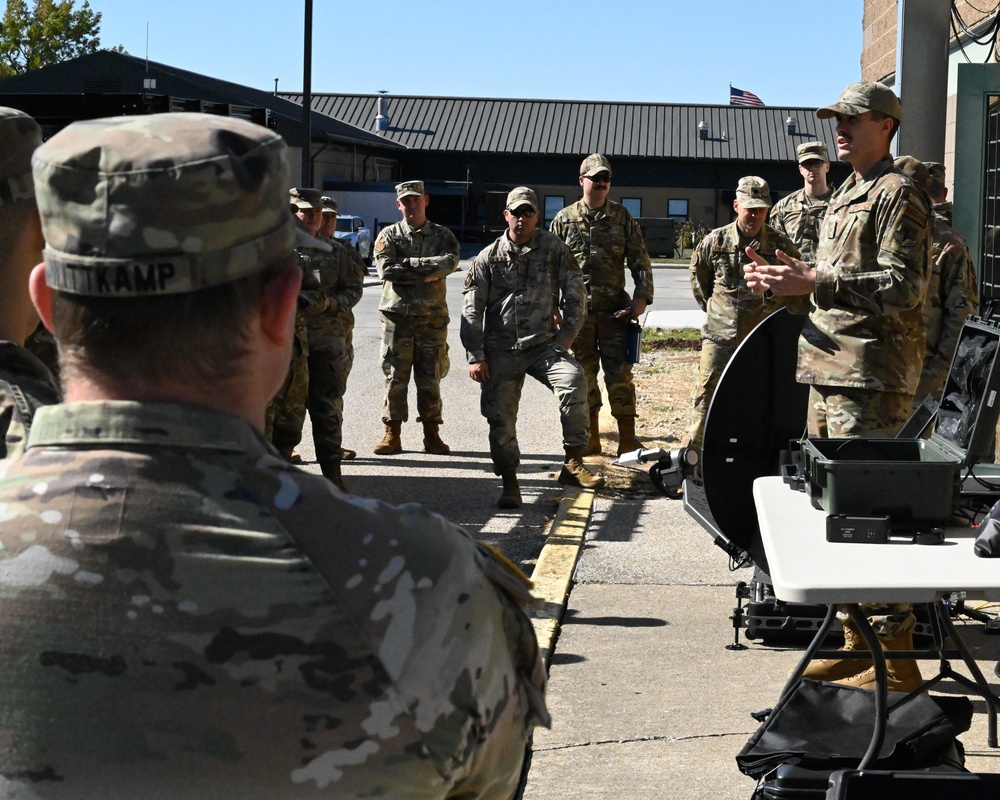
x: 936, y: 170
x: 162, y: 204
x: 19, y: 136
x: 859, y: 98
x: 936, y: 183
x: 522, y: 196
x: 302, y: 197
x: 594, y: 164
x: 330, y: 206
x: 408, y: 188
x: 915, y: 169
x: 753, y: 192
x: 812, y: 151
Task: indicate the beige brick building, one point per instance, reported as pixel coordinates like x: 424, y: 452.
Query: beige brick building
x: 878, y: 54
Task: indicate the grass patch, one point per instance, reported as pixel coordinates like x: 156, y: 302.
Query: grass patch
x: 662, y: 334
x: 671, y: 339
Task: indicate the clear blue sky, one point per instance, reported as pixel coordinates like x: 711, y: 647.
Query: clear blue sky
x: 789, y: 52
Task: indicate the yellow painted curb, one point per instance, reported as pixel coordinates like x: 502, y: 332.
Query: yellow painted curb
x: 553, y: 573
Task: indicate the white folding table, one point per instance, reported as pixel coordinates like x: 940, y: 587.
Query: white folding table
x: 805, y: 568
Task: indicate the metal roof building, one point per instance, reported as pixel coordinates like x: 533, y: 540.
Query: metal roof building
x: 673, y: 160
x: 573, y: 127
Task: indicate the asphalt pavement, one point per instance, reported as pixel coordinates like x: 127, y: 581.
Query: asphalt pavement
x: 646, y: 700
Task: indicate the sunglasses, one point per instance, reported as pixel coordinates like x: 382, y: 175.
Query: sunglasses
x: 523, y: 211
x: 603, y: 177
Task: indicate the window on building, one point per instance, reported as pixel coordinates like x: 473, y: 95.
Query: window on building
x: 633, y: 205
x: 553, y: 205
x: 678, y: 209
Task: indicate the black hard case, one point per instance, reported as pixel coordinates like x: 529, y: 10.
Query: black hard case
x: 916, y: 479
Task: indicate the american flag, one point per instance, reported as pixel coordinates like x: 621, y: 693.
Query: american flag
x: 737, y: 97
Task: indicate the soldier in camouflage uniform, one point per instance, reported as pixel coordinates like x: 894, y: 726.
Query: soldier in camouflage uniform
x: 186, y: 615
x: 952, y: 291
x: 604, y: 239
x: 862, y: 346
x: 732, y: 310
x: 524, y: 302
x: 413, y: 258
x: 25, y: 382
x: 341, y: 273
x: 799, y: 215
x: 286, y: 413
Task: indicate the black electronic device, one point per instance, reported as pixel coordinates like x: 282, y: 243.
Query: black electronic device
x: 858, y: 530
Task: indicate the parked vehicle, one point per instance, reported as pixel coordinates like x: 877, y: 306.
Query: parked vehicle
x: 352, y: 230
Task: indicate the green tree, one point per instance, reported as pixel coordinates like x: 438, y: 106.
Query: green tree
x: 51, y: 32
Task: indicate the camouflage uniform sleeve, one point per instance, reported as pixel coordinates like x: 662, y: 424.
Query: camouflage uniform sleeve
x: 388, y: 263
x: 474, y: 299
x: 637, y: 258
x: 443, y: 264
x: 558, y: 225
x: 898, y: 281
x: 959, y: 299
x: 350, y: 282
x: 702, y: 273
x: 573, y: 300
x: 312, y: 296
x: 796, y: 304
x: 776, y: 218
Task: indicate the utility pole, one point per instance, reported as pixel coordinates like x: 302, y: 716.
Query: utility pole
x: 307, y: 97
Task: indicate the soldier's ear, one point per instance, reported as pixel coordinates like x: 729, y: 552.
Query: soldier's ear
x: 278, y: 304
x: 41, y: 295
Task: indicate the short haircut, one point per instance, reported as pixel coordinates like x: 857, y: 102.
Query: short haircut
x: 878, y: 116
x: 194, y: 336
x: 14, y: 218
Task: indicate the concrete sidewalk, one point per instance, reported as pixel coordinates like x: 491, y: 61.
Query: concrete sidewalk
x: 646, y: 700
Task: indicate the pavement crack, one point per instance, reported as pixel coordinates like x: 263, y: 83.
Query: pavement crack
x: 632, y: 740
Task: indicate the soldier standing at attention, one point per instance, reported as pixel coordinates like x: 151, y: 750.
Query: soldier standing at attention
x: 952, y: 292
x: 25, y: 382
x: 413, y: 258
x: 862, y: 346
x: 186, y: 615
x: 799, y: 215
x: 341, y: 273
x: 286, y: 413
x: 515, y: 291
x: 731, y: 309
x: 604, y: 239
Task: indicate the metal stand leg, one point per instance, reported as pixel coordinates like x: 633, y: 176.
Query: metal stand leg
x: 810, y: 652
x: 979, y: 682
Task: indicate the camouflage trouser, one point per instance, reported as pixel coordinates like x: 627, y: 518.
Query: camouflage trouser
x: 418, y: 345
x: 331, y: 356
x: 837, y: 412
x: 601, y: 343
x: 549, y: 364
x: 888, y: 620
x: 286, y: 413
x: 714, y: 357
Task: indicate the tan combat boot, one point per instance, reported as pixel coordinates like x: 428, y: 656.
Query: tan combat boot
x: 903, y: 673
x: 347, y: 454
x: 626, y: 435
x: 390, y: 444
x: 432, y: 440
x: 510, y: 497
x: 835, y: 669
x: 575, y: 474
x: 593, y: 447
x: 331, y: 471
